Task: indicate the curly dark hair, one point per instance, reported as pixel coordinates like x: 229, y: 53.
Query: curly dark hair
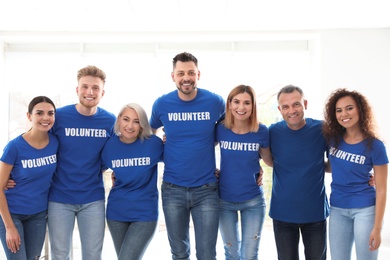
x: 334, y: 132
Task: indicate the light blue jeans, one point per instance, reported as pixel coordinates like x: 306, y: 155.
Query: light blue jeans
x: 131, y: 238
x: 32, y: 232
x: 252, y: 213
x: 91, y: 225
x: 347, y: 226
x: 179, y: 203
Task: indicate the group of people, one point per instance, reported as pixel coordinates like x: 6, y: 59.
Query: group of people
x: 54, y: 172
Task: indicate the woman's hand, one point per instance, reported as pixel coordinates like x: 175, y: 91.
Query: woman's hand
x: 13, y: 239
x: 10, y: 184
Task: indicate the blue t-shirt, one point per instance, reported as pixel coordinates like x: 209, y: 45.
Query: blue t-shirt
x: 134, y: 196
x: 298, y: 190
x: 189, y: 151
x: 78, y: 178
x: 240, y: 164
x: 351, y: 169
x: 32, y: 171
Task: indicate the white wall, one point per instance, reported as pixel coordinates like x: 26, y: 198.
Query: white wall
x: 3, y: 103
x: 360, y: 60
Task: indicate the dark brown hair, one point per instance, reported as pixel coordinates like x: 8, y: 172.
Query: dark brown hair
x: 184, y: 57
x: 334, y: 132
x: 37, y: 100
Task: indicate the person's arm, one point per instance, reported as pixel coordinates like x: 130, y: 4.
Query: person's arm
x: 328, y: 167
x: 12, y: 234
x: 113, y: 179
x: 10, y: 184
x: 266, y: 155
x: 380, y: 176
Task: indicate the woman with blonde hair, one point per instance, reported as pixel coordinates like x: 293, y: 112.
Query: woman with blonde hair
x: 243, y: 142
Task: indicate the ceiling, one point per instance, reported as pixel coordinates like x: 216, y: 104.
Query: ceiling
x: 189, y: 16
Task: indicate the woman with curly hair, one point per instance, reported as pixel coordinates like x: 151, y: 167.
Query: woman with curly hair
x: 355, y: 151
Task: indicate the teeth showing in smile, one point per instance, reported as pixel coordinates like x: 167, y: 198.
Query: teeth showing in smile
x: 240, y: 113
x: 346, y: 120
x: 89, y: 98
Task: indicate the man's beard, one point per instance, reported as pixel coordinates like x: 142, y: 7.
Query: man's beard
x: 188, y: 92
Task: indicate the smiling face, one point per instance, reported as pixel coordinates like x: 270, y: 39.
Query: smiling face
x: 292, y: 107
x: 347, y: 113
x: 186, y: 76
x: 42, y: 116
x: 129, y: 125
x: 241, y: 106
x: 90, y: 91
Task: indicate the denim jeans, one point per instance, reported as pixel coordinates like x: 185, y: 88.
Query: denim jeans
x: 91, y: 225
x: 351, y: 225
x: 131, y: 238
x: 202, y: 204
x: 252, y: 213
x: 287, y: 240
x: 32, y: 232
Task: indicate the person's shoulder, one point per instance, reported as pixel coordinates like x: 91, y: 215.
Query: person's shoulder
x: 277, y: 124
x: 211, y: 97
x: 221, y: 125
x: 262, y: 125
x: 14, y: 143
x: 15, y: 140
x: 106, y: 112
x: 314, y: 122
x: 207, y: 92
x: 155, y: 138
x: 166, y: 97
x: 66, y: 109
x: 170, y: 94
x: 377, y: 143
x: 53, y: 137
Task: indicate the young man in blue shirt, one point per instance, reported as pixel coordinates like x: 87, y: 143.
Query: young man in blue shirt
x: 189, y: 115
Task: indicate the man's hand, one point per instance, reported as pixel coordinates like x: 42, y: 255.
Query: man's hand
x: 216, y: 173
x: 113, y: 179
x: 260, y: 177
x: 371, y: 182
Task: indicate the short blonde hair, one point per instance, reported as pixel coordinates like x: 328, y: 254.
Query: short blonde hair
x: 146, y: 130
x: 91, y: 71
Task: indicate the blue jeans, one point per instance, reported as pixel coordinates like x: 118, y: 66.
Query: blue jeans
x: 200, y: 202
x: 351, y: 225
x: 287, y: 240
x: 32, y: 232
x: 91, y: 225
x: 131, y: 238
x: 252, y: 214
